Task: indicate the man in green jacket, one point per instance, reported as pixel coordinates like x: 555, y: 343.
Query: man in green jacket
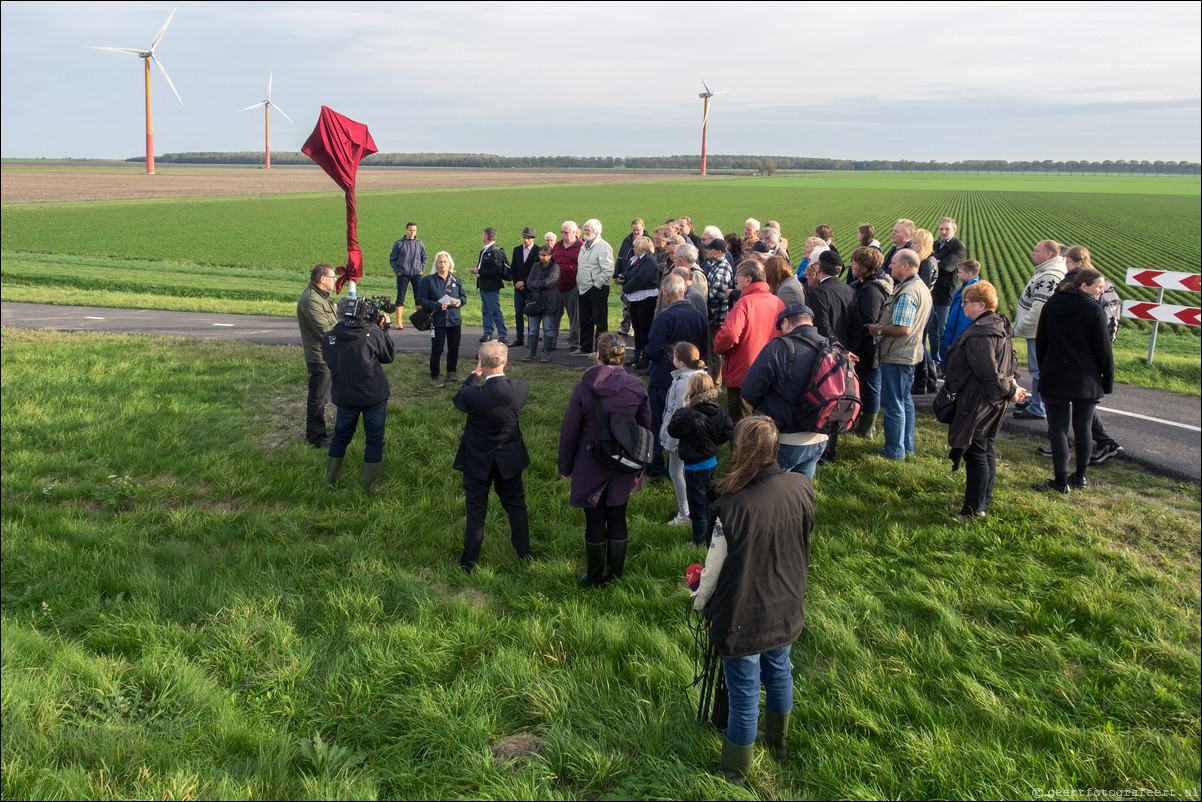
x: 315, y: 314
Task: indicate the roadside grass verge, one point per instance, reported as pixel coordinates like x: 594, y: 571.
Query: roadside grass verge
x: 187, y: 614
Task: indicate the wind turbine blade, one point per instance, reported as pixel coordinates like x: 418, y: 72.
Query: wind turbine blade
x: 281, y: 111
x: 117, y: 49
x: 703, y: 83
x: 253, y: 106
x: 269, y: 89
x: 168, y: 77
x: 724, y: 91
x: 162, y: 31
x: 706, y: 118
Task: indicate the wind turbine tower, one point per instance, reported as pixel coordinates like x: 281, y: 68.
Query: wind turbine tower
x: 267, y: 106
x: 148, y: 56
x: 706, y: 95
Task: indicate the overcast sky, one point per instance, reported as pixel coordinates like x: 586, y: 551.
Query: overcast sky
x: 863, y: 80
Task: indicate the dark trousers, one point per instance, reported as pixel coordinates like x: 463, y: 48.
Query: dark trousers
x: 658, y: 396
x: 315, y: 405
x: 520, y: 297
x: 697, y: 487
x: 347, y: 422
x: 980, y: 468
x: 594, y: 318
x: 513, y: 500
x: 736, y: 406
x: 604, y: 522
x: 641, y: 314
x: 449, y: 336
x: 1060, y: 413
x: 403, y: 283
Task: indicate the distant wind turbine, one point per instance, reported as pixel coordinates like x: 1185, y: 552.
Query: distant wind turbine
x: 148, y: 56
x: 267, y: 106
x: 706, y: 95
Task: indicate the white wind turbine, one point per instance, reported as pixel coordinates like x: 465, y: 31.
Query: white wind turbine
x: 148, y: 56
x: 267, y: 106
x: 706, y: 95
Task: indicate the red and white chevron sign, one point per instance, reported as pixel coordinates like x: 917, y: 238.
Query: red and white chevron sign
x: 1165, y: 280
x: 1165, y: 313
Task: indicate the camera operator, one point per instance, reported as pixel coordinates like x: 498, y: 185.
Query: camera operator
x: 355, y: 349
x: 315, y: 314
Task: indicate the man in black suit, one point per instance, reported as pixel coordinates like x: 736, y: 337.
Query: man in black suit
x: 525, y: 256
x: 492, y: 451
x: 832, y: 301
x: 949, y: 252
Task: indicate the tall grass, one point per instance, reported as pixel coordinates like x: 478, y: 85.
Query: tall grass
x: 187, y: 614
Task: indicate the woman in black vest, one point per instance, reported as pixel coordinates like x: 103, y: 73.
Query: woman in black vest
x: 763, y: 516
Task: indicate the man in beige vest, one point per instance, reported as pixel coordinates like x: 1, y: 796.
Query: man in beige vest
x: 899, y: 338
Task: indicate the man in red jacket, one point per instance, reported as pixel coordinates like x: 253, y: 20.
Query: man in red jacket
x: 750, y: 324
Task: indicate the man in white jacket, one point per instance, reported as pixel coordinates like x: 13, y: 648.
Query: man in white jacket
x: 593, y: 276
x: 1049, y: 272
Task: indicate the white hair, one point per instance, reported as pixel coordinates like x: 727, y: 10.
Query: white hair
x: 751, y: 221
x: 434, y: 262
x: 594, y: 224
x: 571, y: 223
x: 711, y: 233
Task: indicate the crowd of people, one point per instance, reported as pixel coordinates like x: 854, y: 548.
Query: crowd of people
x: 713, y: 312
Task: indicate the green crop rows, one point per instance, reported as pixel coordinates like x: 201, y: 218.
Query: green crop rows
x: 257, y: 248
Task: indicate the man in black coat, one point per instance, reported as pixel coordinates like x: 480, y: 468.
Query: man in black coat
x: 949, y: 253
x: 831, y: 300
x: 525, y: 256
x: 490, y: 278
x: 492, y: 451
x: 621, y: 262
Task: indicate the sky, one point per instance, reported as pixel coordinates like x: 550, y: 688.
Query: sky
x: 865, y: 80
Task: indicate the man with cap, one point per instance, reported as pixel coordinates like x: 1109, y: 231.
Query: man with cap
x: 772, y: 388
x: 525, y: 256
x: 832, y: 301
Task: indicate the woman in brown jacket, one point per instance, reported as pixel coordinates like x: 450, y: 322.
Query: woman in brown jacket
x: 981, y: 368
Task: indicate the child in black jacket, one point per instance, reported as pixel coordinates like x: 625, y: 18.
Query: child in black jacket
x: 702, y: 426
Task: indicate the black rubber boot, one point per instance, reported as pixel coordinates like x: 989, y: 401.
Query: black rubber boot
x: 776, y: 730
x: 634, y: 360
x: 617, y: 558
x: 333, y: 466
x: 371, y: 475
x: 736, y: 762
x: 594, y: 577
x: 919, y: 387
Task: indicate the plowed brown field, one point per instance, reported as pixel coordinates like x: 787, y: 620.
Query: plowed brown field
x: 22, y: 183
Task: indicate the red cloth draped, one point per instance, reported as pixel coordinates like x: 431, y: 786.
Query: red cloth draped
x: 338, y: 144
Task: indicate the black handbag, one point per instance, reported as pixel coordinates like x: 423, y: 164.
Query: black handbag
x: 944, y: 404
x: 422, y: 320
x: 533, y: 308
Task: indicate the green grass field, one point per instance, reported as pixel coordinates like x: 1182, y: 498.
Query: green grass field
x: 187, y: 615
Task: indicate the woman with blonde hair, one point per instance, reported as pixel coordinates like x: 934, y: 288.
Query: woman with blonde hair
x: 440, y: 283
x: 926, y: 374
x: 701, y: 426
x: 688, y: 361
x: 763, y: 517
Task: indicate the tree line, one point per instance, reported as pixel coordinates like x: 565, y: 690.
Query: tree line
x: 722, y: 163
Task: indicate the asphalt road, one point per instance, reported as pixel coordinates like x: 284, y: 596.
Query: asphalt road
x: 1159, y: 431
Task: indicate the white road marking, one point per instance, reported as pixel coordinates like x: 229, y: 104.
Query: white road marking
x: 224, y: 324
x: 1191, y: 427
x: 90, y: 317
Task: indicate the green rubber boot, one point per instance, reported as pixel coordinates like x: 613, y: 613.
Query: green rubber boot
x: 333, y: 466
x: 616, y: 558
x: 594, y: 577
x: 776, y: 730
x: 866, y: 426
x: 736, y: 762
x: 371, y: 475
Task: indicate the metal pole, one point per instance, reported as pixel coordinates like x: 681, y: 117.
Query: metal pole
x: 1155, y: 324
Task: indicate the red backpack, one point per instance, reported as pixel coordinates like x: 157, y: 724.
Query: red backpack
x: 831, y: 401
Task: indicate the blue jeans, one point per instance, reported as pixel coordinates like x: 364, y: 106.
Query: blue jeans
x: 898, y: 407
x: 548, y: 324
x: 373, y: 430
x: 743, y: 678
x: 1035, y: 402
x: 490, y: 306
x: 800, y: 459
x: 870, y: 388
x: 935, y: 328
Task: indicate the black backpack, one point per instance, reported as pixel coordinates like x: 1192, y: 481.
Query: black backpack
x: 621, y: 445
x: 831, y: 401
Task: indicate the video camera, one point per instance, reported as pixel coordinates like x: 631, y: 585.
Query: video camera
x: 369, y: 310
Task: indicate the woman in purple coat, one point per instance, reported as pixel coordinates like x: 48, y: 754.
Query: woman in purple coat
x: 601, y: 492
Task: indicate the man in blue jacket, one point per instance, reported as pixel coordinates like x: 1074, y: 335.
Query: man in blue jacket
x: 778, y: 377
x: 679, y: 321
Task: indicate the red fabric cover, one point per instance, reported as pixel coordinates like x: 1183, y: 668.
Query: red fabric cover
x: 338, y: 144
